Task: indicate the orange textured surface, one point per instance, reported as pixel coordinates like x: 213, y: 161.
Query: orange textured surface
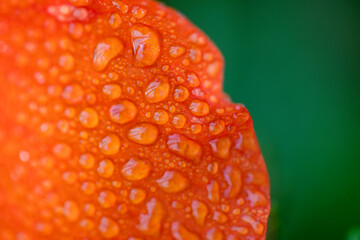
x: 114, y: 126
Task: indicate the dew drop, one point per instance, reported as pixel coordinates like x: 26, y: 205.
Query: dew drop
x: 66, y: 62
x: 80, y: 3
x: 89, y: 118
x: 181, y: 94
x: 106, y: 168
x: 73, y: 93
x: 220, y: 217
x: 179, y: 232
x: 151, y: 222
x: 213, y: 191
x: 87, y: 160
x: 193, y: 80
x: 161, y: 117
x: 115, y: 20
x: 172, y: 182
x: 110, y: 145
x: 143, y: 133
x: 71, y: 211
x: 176, y: 51
x: 88, y: 188
x: 123, y: 112
x: 146, y: 45
x: 214, y: 234
x: 179, y: 121
x: 184, y: 147
x: 62, y: 151
x: 216, y: 127
x: 105, y: 51
x: 136, y: 170
x: 157, y: 90
x: 258, y: 228
x: 108, y: 228
x: 256, y: 198
x: 221, y: 147
x: 137, y: 195
x: 112, y: 91
x: 199, y: 108
x: 106, y: 199
x: 199, y: 212
x: 195, y: 55
x: 138, y: 12
x: 87, y: 224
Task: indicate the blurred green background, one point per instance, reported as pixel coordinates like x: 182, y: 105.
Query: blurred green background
x: 296, y: 66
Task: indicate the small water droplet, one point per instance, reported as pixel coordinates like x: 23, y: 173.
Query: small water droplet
x: 176, y: 51
x: 150, y: 223
x: 179, y: 121
x: 214, y: 234
x: 161, y: 117
x: 115, y: 20
x: 213, y: 191
x: 87, y: 160
x: 221, y: 147
x: 66, y: 62
x: 112, y: 91
x: 220, y: 217
x: 181, y: 94
x: 216, y: 127
x: 138, y: 12
x: 193, y: 79
x: 62, y: 151
x: 88, y: 187
x: 106, y: 199
x: 137, y: 195
x: 73, y: 93
x: 80, y: 3
x: 185, y: 147
x: 71, y: 211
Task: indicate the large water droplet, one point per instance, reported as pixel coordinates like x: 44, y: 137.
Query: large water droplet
x: 157, y: 90
x: 179, y: 232
x: 135, y: 170
x: 146, y: 45
x: 123, y: 112
x: 151, y: 222
x: 199, y: 212
x: 110, y: 144
x: 143, y: 133
x: 221, y: 147
x: 172, y: 182
x: 105, y: 51
x: 233, y: 178
x: 185, y: 147
x: 89, y: 118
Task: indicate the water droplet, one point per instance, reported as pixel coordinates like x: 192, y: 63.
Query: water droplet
x: 179, y: 121
x: 151, y: 222
x: 115, y: 20
x: 146, y: 45
x: 123, y: 112
x: 213, y: 167
x: 121, y: 6
x: 112, y: 91
x: 137, y: 195
x: 157, y: 90
x: 138, y: 12
x: 135, y: 170
x: 143, y: 133
x: 105, y: 51
x: 66, y: 62
x: 62, y: 151
x: 216, y: 127
x: 213, y: 191
x: 220, y: 217
x: 89, y: 118
x: 256, y: 198
x: 221, y: 147
x: 110, y: 144
x: 161, y: 117
x: 176, y: 51
x: 181, y: 94
x: 106, y: 168
x: 196, y: 128
x: 184, y: 147
x: 214, y: 234
x: 89, y: 209
x: 199, y: 212
x: 106, y: 199
x: 195, y: 55
x: 87, y: 160
x: 69, y: 177
x: 88, y: 188
x: 73, y: 93
x: 71, y: 211
x: 257, y: 227
x: 199, y: 108
x: 193, y: 80
x: 87, y: 224
x: 179, y: 232
x: 214, y: 69
x: 76, y: 30
x: 80, y: 3
x: 172, y: 182
x: 108, y: 228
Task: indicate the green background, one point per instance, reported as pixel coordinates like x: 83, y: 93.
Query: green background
x: 296, y: 66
